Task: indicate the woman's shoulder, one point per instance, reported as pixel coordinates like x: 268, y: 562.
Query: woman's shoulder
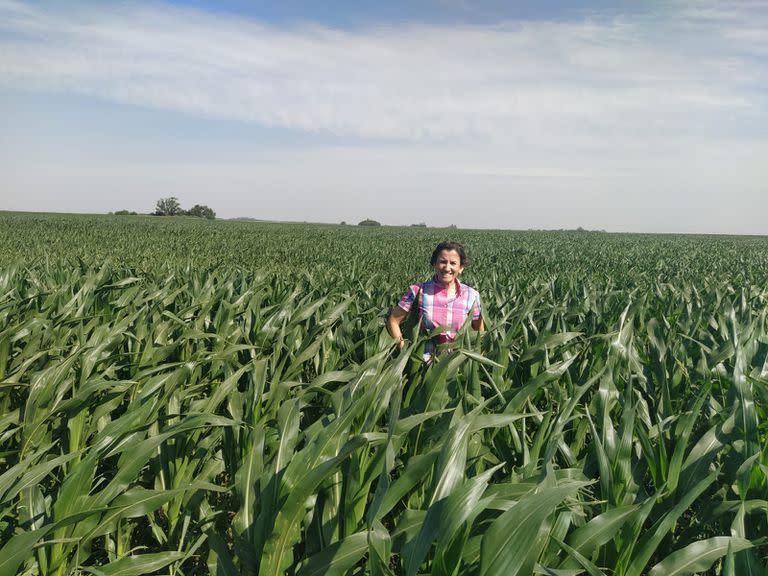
x: 468, y: 288
x: 425, y: 285
x: 414, y: 289
x: 429, y: 286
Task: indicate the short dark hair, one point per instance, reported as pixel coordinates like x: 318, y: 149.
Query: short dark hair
x: 450, y: 245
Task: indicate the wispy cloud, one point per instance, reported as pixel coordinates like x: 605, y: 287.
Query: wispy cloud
x: 685, y: 69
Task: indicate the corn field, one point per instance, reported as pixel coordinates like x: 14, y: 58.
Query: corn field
x: 184, y: 397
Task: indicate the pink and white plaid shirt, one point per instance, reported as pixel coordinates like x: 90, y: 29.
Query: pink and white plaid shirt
x: 436, y: 309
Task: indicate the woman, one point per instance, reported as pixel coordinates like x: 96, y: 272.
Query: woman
x: 442, y: 301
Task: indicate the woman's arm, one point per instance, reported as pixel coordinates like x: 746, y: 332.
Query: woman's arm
x: 477, y: 318
x: 396, y: 318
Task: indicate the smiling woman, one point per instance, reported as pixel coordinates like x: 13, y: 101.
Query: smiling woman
x: 443, y: 302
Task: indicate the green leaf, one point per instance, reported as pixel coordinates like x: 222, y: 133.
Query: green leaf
x: 507, y: 542
x: 479, y: 358
x: 704, y: 453
x: 18, y: 549
x: 699, y: 556
x: 414, y: 474
x: 585, y: 562
x: 133, y: 503
x: 338, y: 558
x: 601, y: 529
x: 656, y: 533
x: 136, y: 565
x: 277, y: 555
x: 682, y: 435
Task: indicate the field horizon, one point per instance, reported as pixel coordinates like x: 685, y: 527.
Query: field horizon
x: 249, y: 219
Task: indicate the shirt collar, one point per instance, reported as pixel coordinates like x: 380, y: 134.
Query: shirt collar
x: 440, y: 286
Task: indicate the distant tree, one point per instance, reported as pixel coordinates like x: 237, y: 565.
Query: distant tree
x: 343, y: 222
x: 201, y: 211
x: 168, y: 207
x: 452, y: 227
x: 124, y: 213
x: 369, y: 222
x: 419, y: 225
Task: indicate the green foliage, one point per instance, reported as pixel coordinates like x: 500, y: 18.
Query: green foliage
x: 187, y: 397
x: 171, y: 207
x: 168, y: 207
x: 201, y: 211
x: 368, y: 222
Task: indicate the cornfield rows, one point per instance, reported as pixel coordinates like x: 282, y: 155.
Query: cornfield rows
x: 221, y: 398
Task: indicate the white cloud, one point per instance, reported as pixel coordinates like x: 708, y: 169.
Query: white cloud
x: 410, y: 82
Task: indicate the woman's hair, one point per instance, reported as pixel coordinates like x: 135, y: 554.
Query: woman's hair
x: 448, y: 245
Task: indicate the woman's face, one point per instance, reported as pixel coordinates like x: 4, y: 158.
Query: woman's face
x: 448, y: 267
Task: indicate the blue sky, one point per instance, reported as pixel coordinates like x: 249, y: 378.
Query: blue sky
x: 349, y: 14
x: 622, y: 116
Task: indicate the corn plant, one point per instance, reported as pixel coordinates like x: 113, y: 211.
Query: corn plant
x: 185, y: 397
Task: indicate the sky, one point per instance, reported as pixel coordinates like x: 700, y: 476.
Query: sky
x: 620, y: 116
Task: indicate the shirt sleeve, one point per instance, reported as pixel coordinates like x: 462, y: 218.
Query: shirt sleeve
x: 476, y: 305
x: 408, y: 298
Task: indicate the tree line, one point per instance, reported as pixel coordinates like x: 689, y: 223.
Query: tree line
x: 171, y: 207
